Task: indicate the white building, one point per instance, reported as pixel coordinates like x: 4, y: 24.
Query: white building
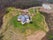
x: 46, y: 6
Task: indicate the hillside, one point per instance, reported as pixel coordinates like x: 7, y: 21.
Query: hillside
x: 13, y: 30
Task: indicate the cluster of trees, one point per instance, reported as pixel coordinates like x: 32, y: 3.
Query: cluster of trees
x: 19, y: 3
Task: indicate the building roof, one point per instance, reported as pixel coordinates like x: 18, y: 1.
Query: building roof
x: 23, y: 17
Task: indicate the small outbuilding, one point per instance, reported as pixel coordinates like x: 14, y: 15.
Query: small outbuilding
x: 46, y: 6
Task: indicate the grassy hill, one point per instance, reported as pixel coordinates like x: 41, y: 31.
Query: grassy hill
x: 12, y: 27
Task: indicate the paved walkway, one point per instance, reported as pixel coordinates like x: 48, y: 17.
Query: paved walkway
x: 49, y: 19
x: 45, y: 10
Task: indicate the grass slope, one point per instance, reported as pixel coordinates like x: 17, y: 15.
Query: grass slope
x: 11, y: 23
x: 37, y: 22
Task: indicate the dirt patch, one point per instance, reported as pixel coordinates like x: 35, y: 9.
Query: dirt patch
x: 36, y: 36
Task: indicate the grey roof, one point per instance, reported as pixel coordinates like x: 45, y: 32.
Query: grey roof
x: 23, y: 17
